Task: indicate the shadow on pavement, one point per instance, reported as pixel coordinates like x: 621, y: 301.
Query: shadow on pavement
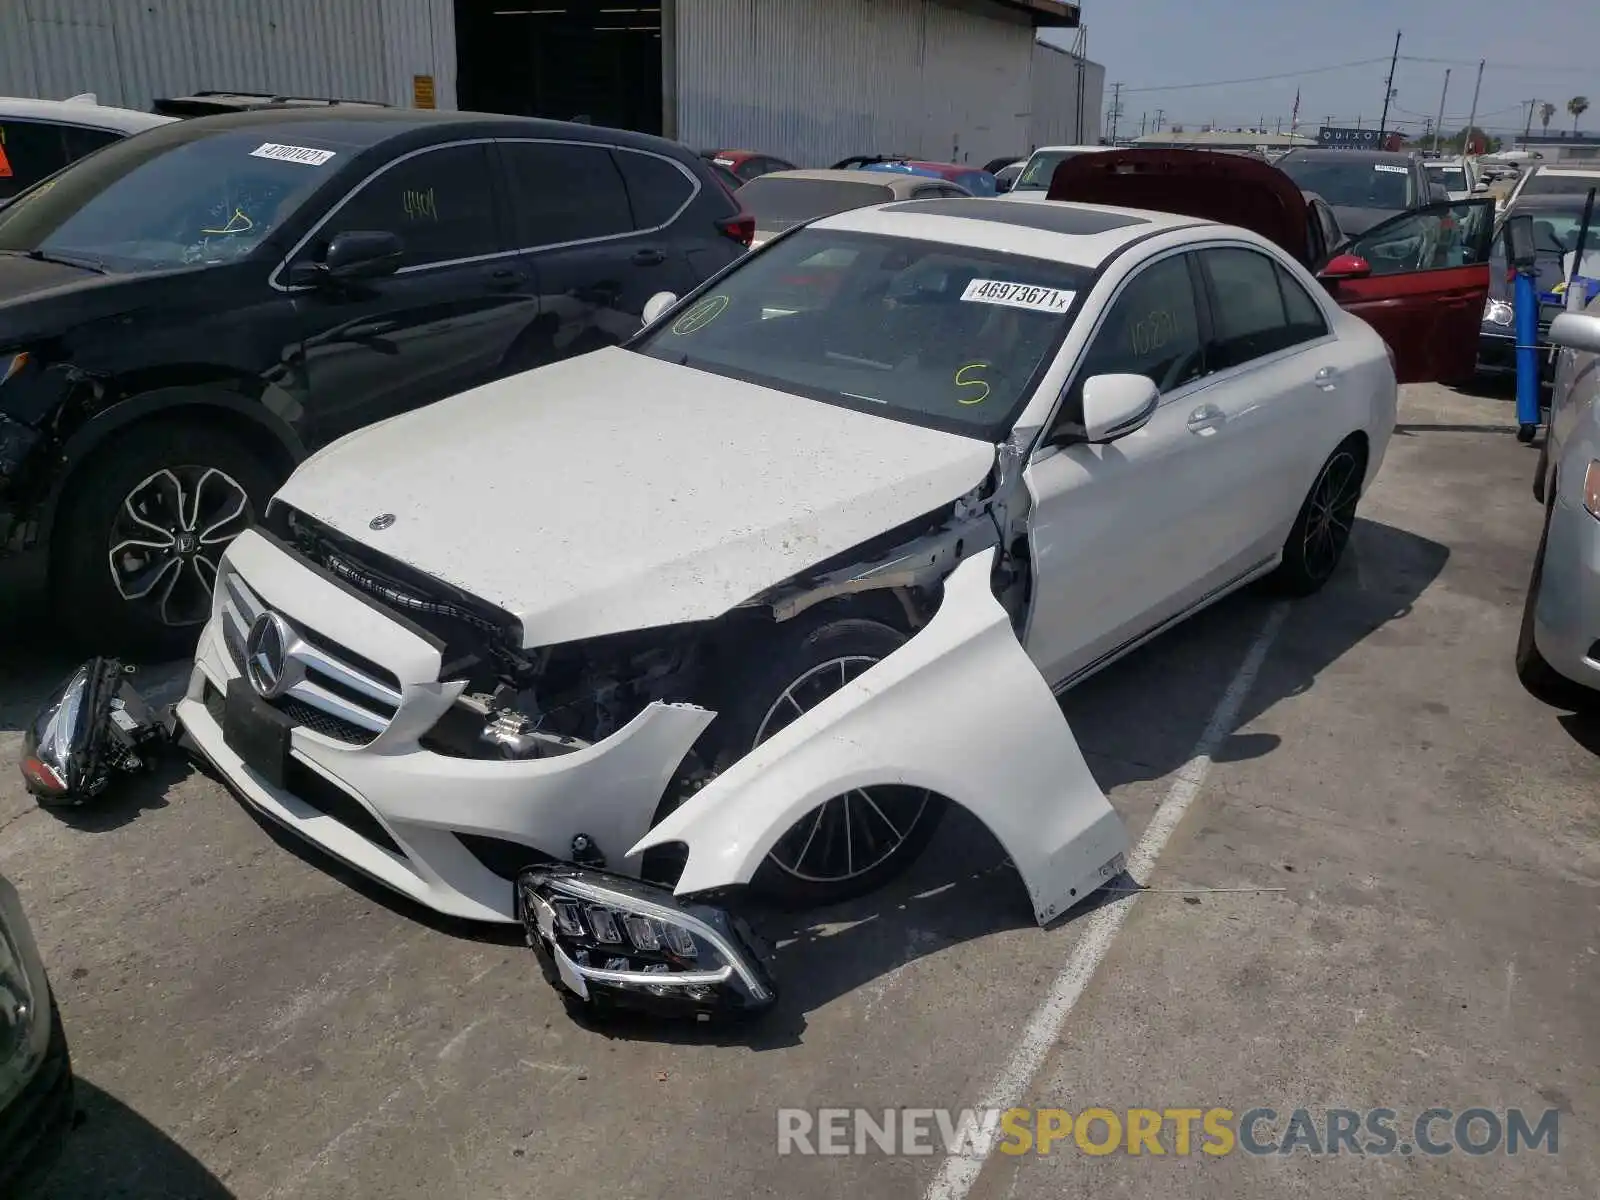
x: 115, y: 1154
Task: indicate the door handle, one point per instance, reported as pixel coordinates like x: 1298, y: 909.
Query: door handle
x: 1206, y: 418
x: 648, y: 258
x: 1327, y: 378
x: 505, y: 278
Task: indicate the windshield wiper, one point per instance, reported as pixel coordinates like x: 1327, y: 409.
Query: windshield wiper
x: 67, y: 260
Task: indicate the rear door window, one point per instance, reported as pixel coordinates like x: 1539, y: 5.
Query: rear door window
x: 29, y: 150
x: 657, y: 189
x: 1251, y: 315
x: 565, y: 192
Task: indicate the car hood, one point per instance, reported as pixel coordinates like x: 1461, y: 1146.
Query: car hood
x: 41, y: 299
x: 1193, y: 183
x: 613, y: 491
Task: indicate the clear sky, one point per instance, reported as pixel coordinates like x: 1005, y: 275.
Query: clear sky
x: 1548, y: 49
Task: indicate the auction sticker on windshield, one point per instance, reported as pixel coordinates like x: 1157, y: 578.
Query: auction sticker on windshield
x: 308, y: 155
x: 1388, y: 169
x: 1018, y: 295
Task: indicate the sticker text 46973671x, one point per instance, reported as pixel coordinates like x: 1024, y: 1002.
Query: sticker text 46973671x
x: 1018, y: 295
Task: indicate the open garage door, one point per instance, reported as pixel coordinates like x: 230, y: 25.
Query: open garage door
x: 592, y: 60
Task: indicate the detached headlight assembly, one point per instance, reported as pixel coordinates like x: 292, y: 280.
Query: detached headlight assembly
x: 606, y: 941
x: 93, y: 726
x: 1497, y: 312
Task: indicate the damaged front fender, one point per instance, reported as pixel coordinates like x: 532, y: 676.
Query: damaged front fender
x: 960, y: 710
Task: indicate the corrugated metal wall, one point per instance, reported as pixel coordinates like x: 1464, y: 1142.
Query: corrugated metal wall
x: 128, y: 52
x: 816, y: 80
x: 1054, y: 103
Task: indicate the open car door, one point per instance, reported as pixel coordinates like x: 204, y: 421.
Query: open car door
x: 1421, y: 279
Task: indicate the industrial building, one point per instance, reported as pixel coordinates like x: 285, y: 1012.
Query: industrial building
x: 809, y: 80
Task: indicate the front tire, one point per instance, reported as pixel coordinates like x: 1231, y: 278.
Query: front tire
x: 142, y: 531
x: 1321, y: 531
x: 852, y: 844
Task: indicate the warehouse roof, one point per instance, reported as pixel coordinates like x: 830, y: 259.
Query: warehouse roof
x: 1054, y: 14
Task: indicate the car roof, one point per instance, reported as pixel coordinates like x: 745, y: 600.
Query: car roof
x: 1550, y: 200
x: 1552, y: 169
x: 1084, y: 235
x: 1052, y: 149
x: 359, y: 126
x: 83, y: 111
x: 900, y: 183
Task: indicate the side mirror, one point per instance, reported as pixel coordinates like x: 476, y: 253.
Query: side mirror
x: 1480, y: 188
x: 1345, y: 266
x: 658, y: 304
x: 353, y: 254
x: 1576, y: 331
x: 1117, y: 405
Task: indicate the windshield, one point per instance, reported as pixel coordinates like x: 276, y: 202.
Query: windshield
x: 1544, y: 183
x: 1357, y: 183
x: 1453, y: 179
x: 141, y: 206
x: 778, y: 202
x: 1041, y: 169
x: 939, y: 335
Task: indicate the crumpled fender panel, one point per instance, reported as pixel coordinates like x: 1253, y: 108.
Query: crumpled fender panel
x: 959, y: 709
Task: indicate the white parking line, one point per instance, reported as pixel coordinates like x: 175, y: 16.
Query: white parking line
x: 960, y: 1172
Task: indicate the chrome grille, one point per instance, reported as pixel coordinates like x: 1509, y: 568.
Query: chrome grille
x: 338, y: 694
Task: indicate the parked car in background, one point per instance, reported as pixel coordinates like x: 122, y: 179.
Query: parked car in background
x: 1363, y: 186
x: 1041, y: 166
x: 726, y: 177
x: 1558, y: 646
x: 1458, y: 176
x: 186, y: 315
x: 1006, y: 177
x: 785, y: 199
x: 995, y: 165
x: 1542, y: 180
x: 36, y: 1090
x: 39, y: 137
x: 1420, y: 279
x: 746, y: 165
x: 1557, y: 221
x: 862, y: 160
x: 213, y: 103
x: 970, y: 179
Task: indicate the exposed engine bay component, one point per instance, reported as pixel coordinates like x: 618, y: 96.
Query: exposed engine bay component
x: 94, y: 727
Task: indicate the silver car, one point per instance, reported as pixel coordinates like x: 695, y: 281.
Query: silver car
x: 1558, y: 647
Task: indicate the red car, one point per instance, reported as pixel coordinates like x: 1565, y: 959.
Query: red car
x: 1419, y: 278
x: 746, y: 164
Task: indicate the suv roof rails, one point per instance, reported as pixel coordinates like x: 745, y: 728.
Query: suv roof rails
x: 208, y: 102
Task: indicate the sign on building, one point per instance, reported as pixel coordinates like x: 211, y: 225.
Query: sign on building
x: 1339, y: 137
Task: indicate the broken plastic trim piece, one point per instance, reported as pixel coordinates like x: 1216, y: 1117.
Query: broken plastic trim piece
x: 959, y: 709
x: 93, y: 727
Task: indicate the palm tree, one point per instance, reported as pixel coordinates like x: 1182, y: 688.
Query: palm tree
x: 1577, y: 106
x: 1546, y: 111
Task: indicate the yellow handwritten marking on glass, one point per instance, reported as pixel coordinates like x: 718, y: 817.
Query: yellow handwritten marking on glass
x: 701, y: 315
x: 972, y: 383
x: 238, y: 223
x: 420, y: 204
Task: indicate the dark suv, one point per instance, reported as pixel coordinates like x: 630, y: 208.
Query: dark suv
x: 185, y: 315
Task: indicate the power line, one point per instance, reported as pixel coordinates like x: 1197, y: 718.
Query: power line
x: 1494, y: 66
x: 1183, y: 87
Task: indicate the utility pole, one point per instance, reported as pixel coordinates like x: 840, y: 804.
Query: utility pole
x: 1388, y: 88
x: 1142, y: 117
x: 1116, y: 109
x: 1160, y: 120
x: 1527, y: 130
x: 1280, y: 125
x: 1466, y: 144
x: 1439, y: 124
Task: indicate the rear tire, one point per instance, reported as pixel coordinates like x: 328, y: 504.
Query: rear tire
x: 1321, y: 530
x: 851, y: 845
x: 141, y: 531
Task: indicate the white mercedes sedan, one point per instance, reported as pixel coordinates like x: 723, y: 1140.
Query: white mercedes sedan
x: 750, y: 600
